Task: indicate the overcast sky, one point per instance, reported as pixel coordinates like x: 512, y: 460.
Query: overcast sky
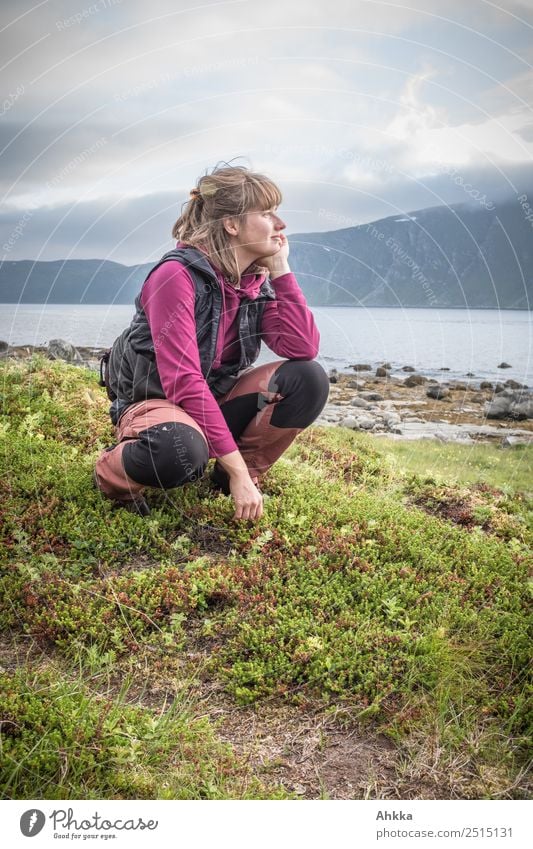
x: 358, y: 109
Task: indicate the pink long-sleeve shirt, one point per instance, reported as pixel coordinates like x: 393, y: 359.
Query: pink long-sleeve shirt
x: 287, y: 327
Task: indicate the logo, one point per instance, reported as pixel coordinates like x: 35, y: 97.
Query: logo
x: 31, y: 822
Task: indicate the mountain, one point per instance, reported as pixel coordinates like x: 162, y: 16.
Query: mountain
x: 459, y: 256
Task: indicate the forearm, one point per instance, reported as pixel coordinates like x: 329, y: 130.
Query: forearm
x: 233, y: 464
x: 288, y: 326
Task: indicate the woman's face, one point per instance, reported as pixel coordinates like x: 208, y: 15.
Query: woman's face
x: 258, y: 233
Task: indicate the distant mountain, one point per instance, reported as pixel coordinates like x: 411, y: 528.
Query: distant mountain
x: 458, y: 256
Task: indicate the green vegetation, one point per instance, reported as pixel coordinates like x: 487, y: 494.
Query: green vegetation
x: 390, y: 598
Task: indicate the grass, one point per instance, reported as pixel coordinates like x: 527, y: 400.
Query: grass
x: 386, y: 584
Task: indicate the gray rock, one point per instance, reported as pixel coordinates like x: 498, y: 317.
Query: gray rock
x: 4, y: 347
x: 444, y: 368
x: 365, y: 423
x: 355, y: 384
x: 511, y: 404
x: 458, y: 384
x: 350, y: 422
x: 59, y: 349
x: 485, y: 384
x: 415, y: 380
x: 437, y: 392
x: 504, y: 365
x: 371, y: 396
x: 333, y: 378
x: 470, y: 374
x: 361, y: 367
x: 381, y: 371
x: 408, y: 368
x: 386, y: 365
x: 360, y: 402
x: 513, y: 384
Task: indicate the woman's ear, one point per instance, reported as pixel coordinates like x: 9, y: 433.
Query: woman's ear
x: 230, y: 226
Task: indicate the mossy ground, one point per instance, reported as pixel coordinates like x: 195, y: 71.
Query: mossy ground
x: 381, y: 597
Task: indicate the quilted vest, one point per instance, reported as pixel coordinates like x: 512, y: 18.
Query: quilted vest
x: 131, y: 374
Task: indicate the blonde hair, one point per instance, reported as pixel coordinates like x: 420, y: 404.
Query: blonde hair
x: 228, y: 191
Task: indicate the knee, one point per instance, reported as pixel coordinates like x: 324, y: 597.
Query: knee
x: 166, y: 455
x: 305, y: 376
x: 305, y: 388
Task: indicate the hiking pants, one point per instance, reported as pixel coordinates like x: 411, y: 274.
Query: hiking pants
x: 160, y: 445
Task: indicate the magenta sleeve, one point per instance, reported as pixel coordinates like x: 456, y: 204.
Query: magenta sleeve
x: 288, y: 325
x: 168, y: 298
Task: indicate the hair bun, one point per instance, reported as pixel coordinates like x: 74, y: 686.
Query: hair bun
x: 194, y: 193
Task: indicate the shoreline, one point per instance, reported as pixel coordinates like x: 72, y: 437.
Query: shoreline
x: 385, y: 405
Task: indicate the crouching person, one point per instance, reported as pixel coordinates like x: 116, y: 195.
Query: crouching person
x: 181, y: 377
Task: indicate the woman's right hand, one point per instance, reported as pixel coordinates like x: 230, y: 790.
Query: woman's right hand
x: 246, y: 497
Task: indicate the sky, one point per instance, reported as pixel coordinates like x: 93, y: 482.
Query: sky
x: 357, y: 109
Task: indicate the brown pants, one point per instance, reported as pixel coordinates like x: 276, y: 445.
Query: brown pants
x: 159, y: 444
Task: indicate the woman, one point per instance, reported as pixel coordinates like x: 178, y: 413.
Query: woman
x: 181, y: 377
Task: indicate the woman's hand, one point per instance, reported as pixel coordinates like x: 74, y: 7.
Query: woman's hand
x: 246, y: 497
x: 278, y: 263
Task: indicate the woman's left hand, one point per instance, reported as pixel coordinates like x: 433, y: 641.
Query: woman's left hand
x: 277, y: 263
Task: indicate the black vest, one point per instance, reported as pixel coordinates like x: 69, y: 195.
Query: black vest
x: 132, y: 374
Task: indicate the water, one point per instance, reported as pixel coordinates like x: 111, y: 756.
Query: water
x: 428, y: 339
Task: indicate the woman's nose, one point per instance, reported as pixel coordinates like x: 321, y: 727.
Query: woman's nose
x: 279, y: 224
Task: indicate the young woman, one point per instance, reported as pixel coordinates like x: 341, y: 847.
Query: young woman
x: 181, y: 376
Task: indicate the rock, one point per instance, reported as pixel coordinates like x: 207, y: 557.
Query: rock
x: 360, y: 402
x: 361, y: 367
x: 513, y: 384
x: 504, y: 365
x: 355, y: 384
x: 59, y: 349
x: 381, y: 371
x: 333, y: 378
x: 458, y: 384
x: 4, y: 347
x: 408, y: 368
x: 485, y: 384
x: 510, y: 441
x: 386, y: 365
x: 437, y: 392
x: 512, y: 404
x: 350, y: 422
x: 415, y: 380
x: 371, y: 396
x: 365, y: 423
x: 470, y: 374
x: 499, y: 387
x: 444, y: 368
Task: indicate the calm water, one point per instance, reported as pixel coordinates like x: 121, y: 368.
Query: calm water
x: 428, y: 339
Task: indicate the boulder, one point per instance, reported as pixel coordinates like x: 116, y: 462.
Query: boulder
x: 514, y: 384
x: 486, y: 384
x: 499, y: 388
x: 381, y: 371
x: 504, y: 365
x: 470, y: 374
x: 366, y: 423
x: 458, y: 384
x: 415, y: 380
x: 360, y: 402
x: 59, y: 349
x: 371, y: 396
x: 350, y: 422
x: 511, y: 404
x: 4, y: 347
x: 361, y: 367
x: 437, y: 392
x: 333, y: 378
x: 355, y: 384
x: 408, y: 368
